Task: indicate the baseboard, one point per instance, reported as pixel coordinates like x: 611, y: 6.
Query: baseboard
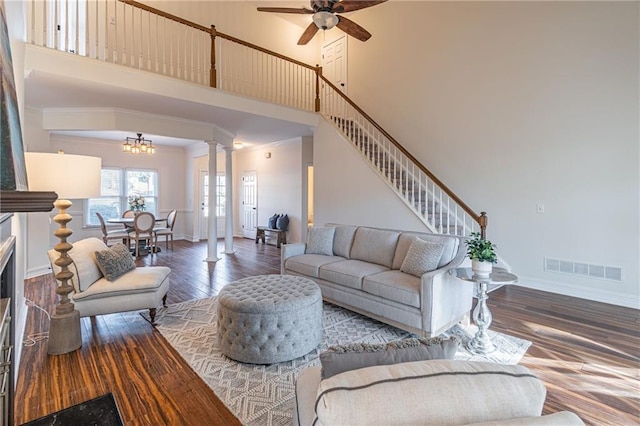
x: 36, y: 272
x: 579, y: 291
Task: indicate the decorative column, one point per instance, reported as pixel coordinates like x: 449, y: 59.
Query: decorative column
x: 212, y: 231
x: 230, y: 202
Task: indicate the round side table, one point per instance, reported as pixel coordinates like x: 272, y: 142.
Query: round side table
x: 481, y: 342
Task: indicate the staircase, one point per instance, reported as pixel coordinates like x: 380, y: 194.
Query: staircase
x: 428, y: 202
x: 222, y: 61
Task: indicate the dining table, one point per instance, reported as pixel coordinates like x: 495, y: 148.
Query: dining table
x: 128, y: 224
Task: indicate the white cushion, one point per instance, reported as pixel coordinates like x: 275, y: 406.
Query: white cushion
x: 406, y: 238
x: 84, y: 267
x: 375, y: 246
x: 140, y: 280
x: 422, y: 257
x: 435, y: 392
x: 320, y: 241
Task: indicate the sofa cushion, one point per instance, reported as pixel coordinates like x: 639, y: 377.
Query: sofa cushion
x: 309, y: 264
x: 320, y: 241
x: 115, y: 261
x: 426, y: 389
x: 349, y: 272
x: 343, y: 240
x: 139, y: 280
x: 406, y: 238
x: 375, y: 246
x: 394, y: 285
x: 422, y: 256
x: 84, y: 267
x: 340, y: 358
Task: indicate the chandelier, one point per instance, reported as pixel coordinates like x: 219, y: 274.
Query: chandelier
x: 138, y: 145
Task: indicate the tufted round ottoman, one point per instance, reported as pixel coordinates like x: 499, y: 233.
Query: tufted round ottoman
x: 269, y: 318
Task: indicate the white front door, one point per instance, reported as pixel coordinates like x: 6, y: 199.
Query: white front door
x: 249, y: 204
x: 204, y: 204
x: 334, y: 63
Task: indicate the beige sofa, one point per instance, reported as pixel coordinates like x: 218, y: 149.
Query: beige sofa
x: 361, y: 272
x: 436, y: 392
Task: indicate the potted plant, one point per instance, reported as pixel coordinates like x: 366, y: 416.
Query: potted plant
x: 482, y: 254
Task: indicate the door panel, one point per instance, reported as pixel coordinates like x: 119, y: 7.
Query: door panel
x: 249, y: 204
x: 204, y: 205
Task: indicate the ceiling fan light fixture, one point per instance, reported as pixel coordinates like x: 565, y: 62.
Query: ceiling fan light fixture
x: 325, y: 20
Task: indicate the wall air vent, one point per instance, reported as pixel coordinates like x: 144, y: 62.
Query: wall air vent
x: 612, y: 273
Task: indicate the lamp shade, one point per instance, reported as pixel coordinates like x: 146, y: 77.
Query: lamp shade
x: 70, y: 176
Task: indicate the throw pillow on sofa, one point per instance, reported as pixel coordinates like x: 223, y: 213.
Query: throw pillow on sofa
x: 340, y: 358
x: 423, y: 256
x: 320, y: 241
x: 115, y: 261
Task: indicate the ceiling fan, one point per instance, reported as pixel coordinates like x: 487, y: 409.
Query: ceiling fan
x: 325, y: 16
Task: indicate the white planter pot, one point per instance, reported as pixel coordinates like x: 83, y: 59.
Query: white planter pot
x: 481, y: 269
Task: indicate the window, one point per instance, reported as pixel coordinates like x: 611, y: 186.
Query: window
x: 221, y: 194
x: 115, y: 188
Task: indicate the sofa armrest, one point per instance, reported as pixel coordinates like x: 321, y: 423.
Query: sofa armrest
x: 445, y: 299
x: 290, y: 250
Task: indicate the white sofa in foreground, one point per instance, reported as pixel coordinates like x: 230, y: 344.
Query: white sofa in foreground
x: 434, y: 392
x: 364, y: 270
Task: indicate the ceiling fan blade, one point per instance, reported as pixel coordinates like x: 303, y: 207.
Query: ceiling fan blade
x: 351, y: 5
x: 353, y: 29
x: 298, y: 10
x: 308, y: 34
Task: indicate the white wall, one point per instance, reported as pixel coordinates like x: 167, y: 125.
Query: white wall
x: 281, y: 183
x: 514, y: 104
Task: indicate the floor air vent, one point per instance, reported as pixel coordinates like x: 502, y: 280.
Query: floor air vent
x: 584, y: 269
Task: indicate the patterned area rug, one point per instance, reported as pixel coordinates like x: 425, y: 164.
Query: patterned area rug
x: 264, y: 394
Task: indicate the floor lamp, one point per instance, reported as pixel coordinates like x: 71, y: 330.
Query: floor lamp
x: 71, y: 177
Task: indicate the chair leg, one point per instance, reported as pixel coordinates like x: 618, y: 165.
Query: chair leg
x: 152, y: 315
x: 171, y: 241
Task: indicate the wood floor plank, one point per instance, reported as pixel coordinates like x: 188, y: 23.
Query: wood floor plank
x: 587, y: 353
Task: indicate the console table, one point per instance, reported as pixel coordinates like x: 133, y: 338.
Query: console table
x: 481, y: 342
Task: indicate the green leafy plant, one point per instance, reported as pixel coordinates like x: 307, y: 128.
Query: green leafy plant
x: 480, y: 249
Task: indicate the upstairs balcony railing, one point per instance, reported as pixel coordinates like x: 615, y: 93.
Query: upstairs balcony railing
x: 132, y: 34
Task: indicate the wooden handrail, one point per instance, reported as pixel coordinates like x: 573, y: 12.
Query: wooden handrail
x: 449, y: 192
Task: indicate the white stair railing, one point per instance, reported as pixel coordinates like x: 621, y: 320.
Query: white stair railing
x: 436, y: 206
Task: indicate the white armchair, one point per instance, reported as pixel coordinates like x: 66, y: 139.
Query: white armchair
x: 94, y: 294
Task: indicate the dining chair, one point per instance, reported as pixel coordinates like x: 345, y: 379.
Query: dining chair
x: 167, y: 231
x: 143, y: 225
x: 129, y: 214
x: 111, y: 235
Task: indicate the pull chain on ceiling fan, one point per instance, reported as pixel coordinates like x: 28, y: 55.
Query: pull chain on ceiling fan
x: 325, y: 16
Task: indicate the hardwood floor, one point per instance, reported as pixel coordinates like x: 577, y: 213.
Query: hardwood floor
x: 587, y: 353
